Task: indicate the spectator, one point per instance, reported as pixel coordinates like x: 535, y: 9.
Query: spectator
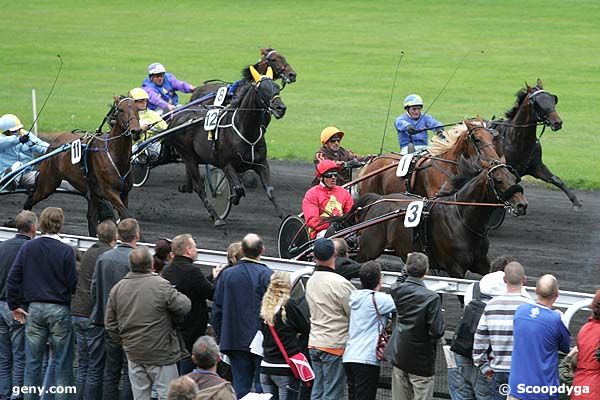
x: 12, y: 344
x: 206, y: 357
x: 493, y: 344
x: 344, y: 266
x: 234, y: 253
x: 89, y: 337
x: 138, y: 317
x: 162, y: 88
x: 235, y: 313
x: 42, y: 280
x: 566, y: 371
x: 110, y: 268
x: 189, y: 280
x: 327, y: 294
x: 292, y: 328
x: 588, y: 366
x: 162, y: 255
x: 539, y: 333
x: 492, y: 284
x: 419, y: 325
x: 182, y: 388
x: 368, y: 318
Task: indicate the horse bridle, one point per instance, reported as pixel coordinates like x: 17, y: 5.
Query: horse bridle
x: 478, y: 149
x: 279, y: 70
x: 263, y: 103
x: 532, y: 103
x: 508, y: 193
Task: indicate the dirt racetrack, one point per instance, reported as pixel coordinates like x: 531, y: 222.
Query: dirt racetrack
x: 551, y: 238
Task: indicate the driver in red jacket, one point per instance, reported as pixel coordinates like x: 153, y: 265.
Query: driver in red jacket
x: 325, y: 200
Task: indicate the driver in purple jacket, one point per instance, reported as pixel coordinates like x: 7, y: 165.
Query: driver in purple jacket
x: 162, y: 88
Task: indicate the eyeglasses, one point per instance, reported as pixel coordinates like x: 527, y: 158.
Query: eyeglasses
x: 330, y: 175
x: 336, y: 140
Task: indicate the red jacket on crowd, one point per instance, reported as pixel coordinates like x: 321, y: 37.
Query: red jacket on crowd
x: 588, y: 366
x: 321, y: 202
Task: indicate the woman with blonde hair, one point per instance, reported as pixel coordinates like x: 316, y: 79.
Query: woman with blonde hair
x: 292, y: 326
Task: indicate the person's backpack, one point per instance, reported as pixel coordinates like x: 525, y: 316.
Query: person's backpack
x: 462, y: 342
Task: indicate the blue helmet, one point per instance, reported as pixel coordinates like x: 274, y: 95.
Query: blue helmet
x: 413, y: 100
x: 10, y: 122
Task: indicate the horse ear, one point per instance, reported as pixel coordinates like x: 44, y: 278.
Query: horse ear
x: 255, y: 75
x: 527, y: 87
x: 269, y: 73
x: 540, y: 84
x: 468, y: 123
x: 117, y: 98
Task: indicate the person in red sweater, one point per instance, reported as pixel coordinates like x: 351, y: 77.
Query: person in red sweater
x: 325, y: 200
x: 588, y: 366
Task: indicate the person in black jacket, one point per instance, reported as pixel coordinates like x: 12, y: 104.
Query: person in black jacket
x: 419, y: 325
x: 345, y: 266
x: 12, y: 332
x: 189, y: 280
x: 292, y: 328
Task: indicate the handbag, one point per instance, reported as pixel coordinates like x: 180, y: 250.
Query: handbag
x: 298, y: 362
x: 384, y: 336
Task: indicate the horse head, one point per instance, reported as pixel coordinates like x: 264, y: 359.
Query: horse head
x: 268, y: 92
x: 482, y: 139
x: 125, y: 115
x: 272, y: 58
x: 503, y: 181
x: 543, y: 104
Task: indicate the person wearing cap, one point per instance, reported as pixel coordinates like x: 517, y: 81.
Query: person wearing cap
x: 325, y: 200
x: 17, y: 147
x: 331, y: 149
x: 327, y: 295
x: 162, y: 88
x: 413, y: 125
x: 150, y: 121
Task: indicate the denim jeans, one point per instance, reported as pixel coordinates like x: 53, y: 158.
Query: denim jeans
x: 330, y: 379
x: 245, y: 369
x: 277, y: 385
x: 499, y: 379
x: 12, y: 352
x: 115, y: 368
x: 95, y: 370
x: 48, y: 323
x: 466, y: 382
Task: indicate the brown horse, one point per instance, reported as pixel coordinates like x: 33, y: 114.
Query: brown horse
x: 453, y: 235
x: 518, y: 141
x: 433, y: 168
x: 269, y: 57
x: 104, y: 170
x: 241, y: 143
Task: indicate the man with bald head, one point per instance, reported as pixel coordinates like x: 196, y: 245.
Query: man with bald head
x: 539, y: 335
x: 235, y: 312
x: 493, y: 343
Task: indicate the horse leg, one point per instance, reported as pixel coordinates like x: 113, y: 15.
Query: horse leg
x: 92, y: 214
x: 114, y: 198
x: 542, y: 172
x: 193, y: 172
x: 265, y: 178
x: 236, y: 182
x: 45, y: 185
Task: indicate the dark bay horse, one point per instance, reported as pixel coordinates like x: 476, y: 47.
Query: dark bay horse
x: 269, y: 57
x: 239, y: 139
x: 433, y: 168
x: 453, y: 236
x: 518, y: 142
x: 106, y: 160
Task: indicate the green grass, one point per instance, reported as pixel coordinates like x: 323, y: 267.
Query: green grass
x: 345, y: 54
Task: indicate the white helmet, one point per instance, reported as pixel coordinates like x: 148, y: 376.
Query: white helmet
x: 10, y: 122
x: 156, y: 68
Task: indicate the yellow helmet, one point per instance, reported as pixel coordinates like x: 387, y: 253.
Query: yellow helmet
x: 138, y: 93
x: 328, y: 132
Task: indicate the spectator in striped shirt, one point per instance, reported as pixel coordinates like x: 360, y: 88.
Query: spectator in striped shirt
x: 493, y: 345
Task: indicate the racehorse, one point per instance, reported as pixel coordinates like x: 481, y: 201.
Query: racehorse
x: 518, y: 142
x: 104, y: 170
x: 433, y: 168
x: 239, y: 139
x: 452, y: 233
x: 269, y: 58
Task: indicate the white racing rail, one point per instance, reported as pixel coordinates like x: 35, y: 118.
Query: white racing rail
x: 571, y: 301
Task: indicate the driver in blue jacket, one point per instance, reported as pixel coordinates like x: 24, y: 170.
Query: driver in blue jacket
x: 17, y: 147
x: 415, y: 124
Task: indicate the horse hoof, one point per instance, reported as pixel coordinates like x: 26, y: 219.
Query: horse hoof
x: 220, y: 223
x: 578, y: 208
x: 235, y: 200
x: 184, y: 189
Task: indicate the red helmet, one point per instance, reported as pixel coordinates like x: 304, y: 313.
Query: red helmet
x: 324, y: 166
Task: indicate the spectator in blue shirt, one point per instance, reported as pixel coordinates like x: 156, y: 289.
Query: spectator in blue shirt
x: 414, y: 124
x: 539, y: 334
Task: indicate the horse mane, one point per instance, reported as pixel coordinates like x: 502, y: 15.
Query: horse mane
x: 451, y: 137
x: 468, y: 168
x: 241, y: 93
x: 520, y: 97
